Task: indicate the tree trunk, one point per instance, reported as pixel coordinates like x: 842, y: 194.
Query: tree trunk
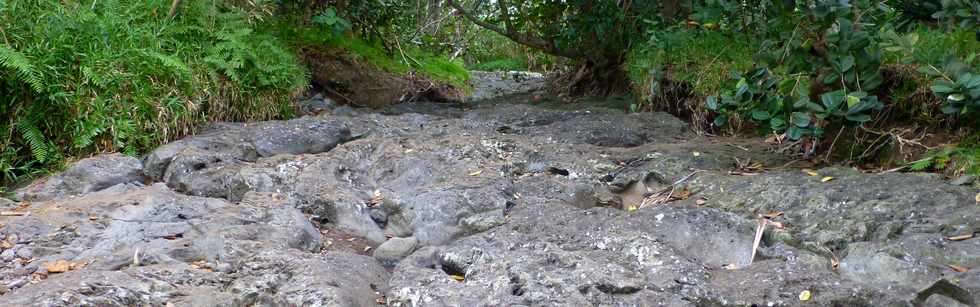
x: 671, y: 8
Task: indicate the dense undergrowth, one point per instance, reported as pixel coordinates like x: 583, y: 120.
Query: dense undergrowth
x: 88, y: 76
x: 888, y: 74
x: 82, y: 77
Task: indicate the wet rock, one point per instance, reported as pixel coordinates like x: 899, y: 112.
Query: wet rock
x: 395, y: 249
x: 85, y: 176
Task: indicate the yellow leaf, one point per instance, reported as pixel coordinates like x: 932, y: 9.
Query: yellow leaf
x: 696, y: 154
x: 805, y: 295
x: 957, y: 268
x: 961, y: 237
x: 459, y: 278
x: 825, y: 179
x: 811, y: 173
x: 476, y: 173
x: 978, y: 197
x: 59, y: 266
x: 630, y: 208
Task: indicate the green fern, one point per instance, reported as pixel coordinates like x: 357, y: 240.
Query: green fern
x: 18, y: 62
x: 38, y: 143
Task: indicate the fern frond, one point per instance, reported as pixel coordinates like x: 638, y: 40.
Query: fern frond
x: 14, y: 60
x: 40, y: 148
x: 169, y: 61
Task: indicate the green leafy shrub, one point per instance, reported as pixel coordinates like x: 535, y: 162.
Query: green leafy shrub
x: 962, y: 13
x: 958, y: 87
x: 782, y: 105
x: 78, y: 77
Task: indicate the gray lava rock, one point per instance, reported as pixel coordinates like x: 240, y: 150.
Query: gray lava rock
x: 173, y: 236
x: 317, y: 105
x: 25, y: 252
x: 395, y: 249
x: 85, y: 176
x: 501, y: 204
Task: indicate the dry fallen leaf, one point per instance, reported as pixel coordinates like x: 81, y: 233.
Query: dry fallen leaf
x: 476, y: 173
x: 811, y: 172
x: 730, y: 266
x: 201, y: 265
x: 367, y: 248
x: 834, y: 262
x: 59, y: 266
x: 805, y: 295
x: 700, y: 201
x: 825, y: 179
x: 5, y: 245
x: 381, y: 300
x: 37, y: 277
x: 13, y: 213
x: 961, y: 237
x: 408, y: 151
x: 459, y: 278
x: 957, y: 268
x: 93, y: 218
x: 977, y: 198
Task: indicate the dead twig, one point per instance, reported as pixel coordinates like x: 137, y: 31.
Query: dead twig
x: 666, y: 195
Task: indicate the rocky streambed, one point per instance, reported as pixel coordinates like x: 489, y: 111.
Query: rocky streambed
x: 493, y: 204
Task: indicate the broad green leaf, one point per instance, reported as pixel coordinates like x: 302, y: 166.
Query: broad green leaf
x: 941, y: 89
x: 760, y: 115
x: 832, y: 100
x: 846, y: 63
x: 777, y: 124
x: 795, y: 133
x: 956, y: 97
x: 801, y: 119
x: 859, y: 118
x: 721, y: 120
x: 742, y: 87
x: 712, y: 103
x: 852, y: 101
x: 949, y: 109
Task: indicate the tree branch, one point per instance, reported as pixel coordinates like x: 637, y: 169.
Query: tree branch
x: 518, y: 37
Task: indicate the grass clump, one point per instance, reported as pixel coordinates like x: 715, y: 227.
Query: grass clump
x: 701, y: 58
x: 403, y: 59
x: 80, y: 77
